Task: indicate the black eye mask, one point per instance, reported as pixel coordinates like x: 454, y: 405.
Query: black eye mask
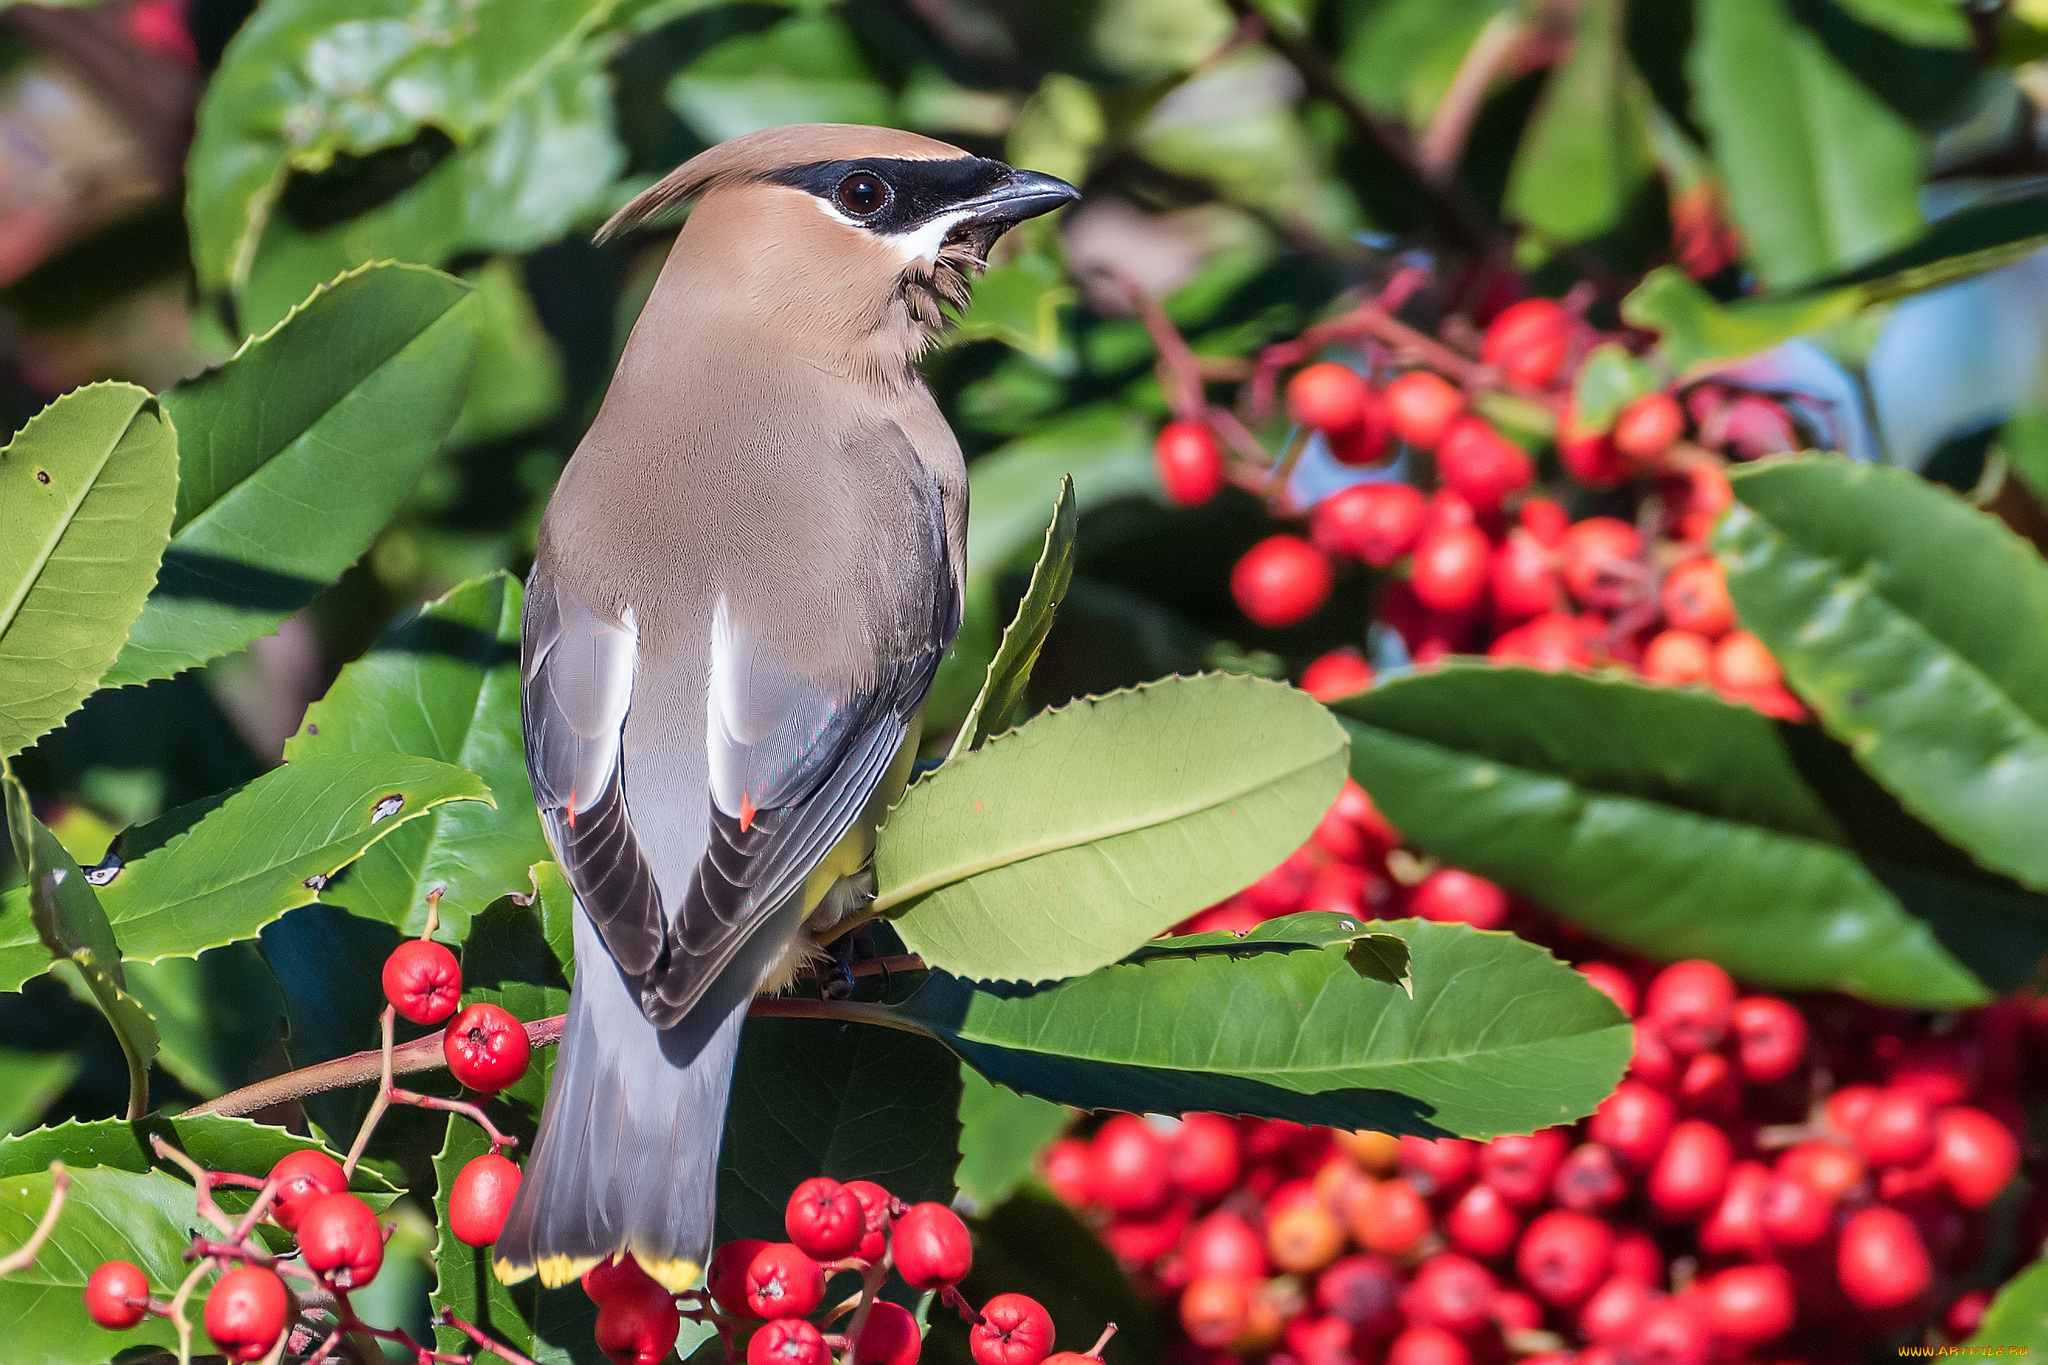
x: 913, y: 192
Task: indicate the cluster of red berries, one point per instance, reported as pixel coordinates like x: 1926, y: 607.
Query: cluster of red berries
x: 762, y: 1296
x: 1770, y: 1182
x: 1485, y: 563
x: 340, y: 1240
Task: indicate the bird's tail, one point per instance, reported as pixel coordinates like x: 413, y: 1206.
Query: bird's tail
x: 627, y: 1155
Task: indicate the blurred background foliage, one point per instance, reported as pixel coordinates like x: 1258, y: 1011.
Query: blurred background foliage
x: 176, y: 176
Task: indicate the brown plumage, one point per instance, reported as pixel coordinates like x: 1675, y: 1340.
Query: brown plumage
x: 743, y: 584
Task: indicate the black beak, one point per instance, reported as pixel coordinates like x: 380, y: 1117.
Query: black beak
x: 1026, y: 194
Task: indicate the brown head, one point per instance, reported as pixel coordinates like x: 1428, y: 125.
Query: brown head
x: 848, y: 235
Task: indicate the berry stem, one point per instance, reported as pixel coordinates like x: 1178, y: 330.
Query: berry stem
x: 483, y: 1342
x: 24, y: 1256
x: 499, y: 1140
x: 870, y: 1285
x: 202, y: 1180
x: 1095, y: 1352
x: 175, y: 1310
x: 379, y: 1104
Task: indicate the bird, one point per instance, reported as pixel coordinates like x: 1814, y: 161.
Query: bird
x: 743, y: 585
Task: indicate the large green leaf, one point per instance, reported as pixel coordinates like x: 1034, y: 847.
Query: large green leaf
x: 1001, y: 1135
x: 29, y: 1083
x: 2018, y: 1316
x: 304, y: 82
x: 1821, y: 175
x: 1917, y: 628
x: 1498, y: 1037
x: 806, y: 69
x: 444, y: 685
x: 267, y: 849
x: 86, y: 491
x: 1678, y: 825
x: 108, y: 1215
x: 1586, y: 154
x: 295, y: 453
x: 1061, y: 846
x: 219, y: 1143
x: 1010, y: 671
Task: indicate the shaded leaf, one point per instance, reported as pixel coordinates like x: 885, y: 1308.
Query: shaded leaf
x: 217, y: 1016
x: 87, y: 489
x: 1917, y: 629
x: 444, y: 685
x: 29, y: 1083
x: 1924, y: 23
x: 1695, y: 330
x: 1676, y: 825
x: 1821, y: 174
x: 296, y: 453
x: 1001, y: 1135
x: 1586, y: 153
x: 1609, y: 380
x: 1499, y: 1037
x: 805, y: 69
x: 1010, y: 671
x: 2024, y: 439
x: 1065, y: 844
x: 2019, y: 1315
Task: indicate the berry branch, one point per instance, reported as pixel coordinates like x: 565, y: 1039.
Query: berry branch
x: 24, y: 1256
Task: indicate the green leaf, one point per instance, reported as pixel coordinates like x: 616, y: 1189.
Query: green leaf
x: 108, y: 1215
x: 86, y: 490
x: 1063, y: 845
x: 1923, y: 23
x: 1010, y: 671
x: 1499, y: 1037
x: 1821, y: 174
x: 1586, y: 153
x: 805, y: 69
x: 1019, y: 303
x: 1001, y: 1135
x: 237, y: 1145
x: 1678, y: 825
x: 444, y: 685
x: 810, y: 1097
x: 2019, y: 1315
x: 217, y: 1015
x: 295, y: 454
x: 518, y: 382
x: 1609, y: 381
x: 2024, y: 439
x: 1695, y: 331
x: 266, y: 850
x: 29, y: 1083
x: 73, y: 928
x: 1917, y: 629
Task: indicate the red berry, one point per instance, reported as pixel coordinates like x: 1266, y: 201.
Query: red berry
x: 1689, y: 1176
x: 1792, y: 1213
x: 1390, y: 1218
x: 246, y: 1312
x: 1441, y: 1165
x: 1452, y: 1292
x: 1329, y: 397
x: 423, y: 981
x: 1742, y: 664
x: 1966, y: 1314
x: 1520, y: 581
x: 1550, y: 642
x: 889, y: 1337
x: 608, y: 1279
x: 782, y: 1282
x: 1547, y: 521
x: 1427, y: 1346
x: 1319, y: 1341
x: 1750, y: 1304
x: 726, y: 1276
x: 1881, y: 1261
x: 1634, y: 1123
x: 1528, y: 341
x: 1615, y: 1308
x: 1482, y: 1223
x: 932, y: 1248
x: 1671, y: 1332
x: 1650, y: 1059
x: 1675, y: 658
x: 1521, y: 1166
x: 1223, y: 1246
x: 1646, y: 427
x: 1598, y: 561
x: 302, y: 1177
x: 1128, y: 1167
x: 1514, y: 1311
x: 1338, y: 674
x: 824, y: 1219
x: 789, y: 1341
x: 486, y: 1048
x: 1450, y: 896
x: 1589, y: 1180
x: 340, y: 1239
x: 1612, y: 982
x: 1896, y: 1130
x: 1203, y: 1158
x: 1709, y: 1088
x: 1563, y: 1257
x: 638, y: 1326
x: 1482, y: 464
x: 481, y: 1199
x: 1692, y: 1004
x: 1190, y: 465
x: 1695, y: 598
x: 1847, y: 1106
x: 1421, y: 406
x: 117, y: 1295
x: 1735, y: 1227
x: 1449, y: 570
x: 1829, y: 1167
x: 1770, y: 1038
x: 1636, y: 1256
x: 1067, y: 1167
x: 1281, y: 581
x: 1213, y: 1310
x: 1364, y: 1291
x: 1590, y: 456
x: 1014, y: 1330
x: 1975, y: 1155
x: 1376, y: 523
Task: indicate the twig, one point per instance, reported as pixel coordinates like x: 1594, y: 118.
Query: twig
x: 202, y: 1180
x: 1443, y: 141
x: 498, y: 1349
x: 176, y: 1312
x: 377, y: 1105
x: 870, y: 1286
x: 24, y: 1256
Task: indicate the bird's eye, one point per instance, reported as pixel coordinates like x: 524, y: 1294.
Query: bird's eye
x: 862, y: 193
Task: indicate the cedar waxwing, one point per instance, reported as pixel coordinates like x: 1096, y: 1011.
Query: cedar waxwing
x: 744, y: 583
